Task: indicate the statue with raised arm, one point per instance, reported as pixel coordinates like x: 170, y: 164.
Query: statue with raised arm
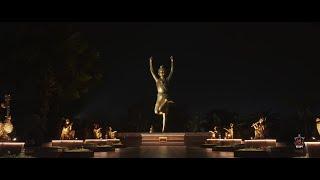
x: 214, y: 133
x: 229, y: 132
x: 111, y: 134
x: 259, y: 128
x: 161, y: 106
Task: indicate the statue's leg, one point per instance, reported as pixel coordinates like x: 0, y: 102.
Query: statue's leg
x: 169, y: 101
x: 163, y: 121
x: 157, y: 107
x: 161, y: 104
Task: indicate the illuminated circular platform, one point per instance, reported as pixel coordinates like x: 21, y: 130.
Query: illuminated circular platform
x: 67, y: 143
x: 86, y: 143
x: 13, y: 147
x: 224, y: 141
x: 102, y: 141
x: 260, y: 143
x: 313, y: 149
x: 12, y: 144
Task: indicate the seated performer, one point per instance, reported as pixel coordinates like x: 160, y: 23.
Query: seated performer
x: 111, y: 134
x: 67, y: 133
x: 6, y: 128
x: 97, y: 134
x: 259, y: 129
x: 229, y: 132
x: 214, y: 133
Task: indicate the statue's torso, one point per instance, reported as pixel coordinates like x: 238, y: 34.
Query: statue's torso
x: 97, y: 133
x: 66, y: 129
x: 162, y: 86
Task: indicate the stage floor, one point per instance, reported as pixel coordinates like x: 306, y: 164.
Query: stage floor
x: 164, y: 152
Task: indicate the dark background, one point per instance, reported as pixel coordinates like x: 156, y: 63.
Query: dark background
x: 238, y: 70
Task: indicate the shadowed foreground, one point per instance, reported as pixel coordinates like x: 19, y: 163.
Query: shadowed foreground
x: 164, y: 152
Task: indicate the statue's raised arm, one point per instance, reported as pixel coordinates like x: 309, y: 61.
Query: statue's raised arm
x: 151, y: 70
x: 171, y: 69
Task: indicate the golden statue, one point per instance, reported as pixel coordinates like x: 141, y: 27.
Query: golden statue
x: 318, y: 125
x: 259, y: 129
x: 6, y: 128
x: 111, y: 134
x: 229, y: 132
x: 67, y: 133
x: 214, y: 133
x: 97, y: 132
x: 161, y: 106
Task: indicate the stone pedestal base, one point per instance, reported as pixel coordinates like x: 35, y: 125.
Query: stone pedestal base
x: 11, y: 147
x: 68, y: 143
x: 163, y: 139
x: 224, y: 142
x: 102, y: 141
x: 260, y: 143
x: 313, y: 149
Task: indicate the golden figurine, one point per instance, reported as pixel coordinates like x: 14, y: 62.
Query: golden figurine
x: 318, y: 125
x: 214, y: 133
x: 97, y: 131
x: 229, y: 132
x: 259, y: 129
x: 151, y: 129
x: 111, y: 134
x: 6, y: 128
x: 67, y: 133
x: 161, y: 106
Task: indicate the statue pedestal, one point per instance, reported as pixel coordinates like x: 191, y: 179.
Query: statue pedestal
x: 313, y: 149
x: 224, y: 142
x: 191, y: 139
x: 163, y: 138
x: 226, y: 145
x: 13, y: 147
x: 260, y: 143
x: 102, y: 141
x: 68, y: 143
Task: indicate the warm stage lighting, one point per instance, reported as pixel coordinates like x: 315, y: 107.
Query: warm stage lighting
x: 2, y: 144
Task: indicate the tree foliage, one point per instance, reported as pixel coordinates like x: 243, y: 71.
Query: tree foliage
x: 47, y: 67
